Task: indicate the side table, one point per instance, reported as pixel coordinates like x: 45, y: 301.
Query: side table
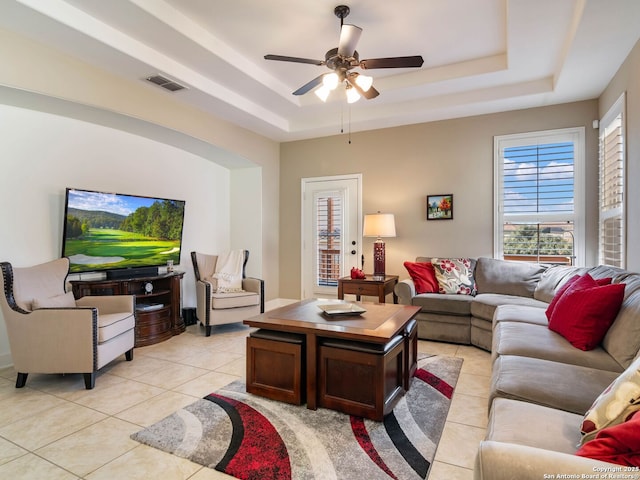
x: 368, y: 286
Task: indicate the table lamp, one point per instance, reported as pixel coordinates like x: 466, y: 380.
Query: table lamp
x: 379, y: 225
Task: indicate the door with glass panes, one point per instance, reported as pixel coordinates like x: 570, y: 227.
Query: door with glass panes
x: 331, y: 232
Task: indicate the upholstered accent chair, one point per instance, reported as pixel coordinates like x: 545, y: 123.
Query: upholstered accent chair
x: 219, y: 308
x: 51, y: 332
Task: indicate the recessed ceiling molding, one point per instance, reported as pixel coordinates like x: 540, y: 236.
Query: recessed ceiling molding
x: 195, y: 33
x: 89, y: 26
x: 470, y: 68
x: 127, y: 123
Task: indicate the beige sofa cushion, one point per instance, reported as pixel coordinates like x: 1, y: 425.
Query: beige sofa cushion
x: 507, y: 277
x: 556, y: 385
x: 450, y: 304
x: 110, y: 325
x: 65, y: 300
x: 485, y: 304
x: 234, y: 300
x: 622, y: 340
x: 40, y: 281
x: 537, y: 341
x: 520, y: 313
x: 552, y: 279
x: 523, y: 423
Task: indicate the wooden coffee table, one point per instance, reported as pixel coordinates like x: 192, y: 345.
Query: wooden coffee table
x: 349, y: 360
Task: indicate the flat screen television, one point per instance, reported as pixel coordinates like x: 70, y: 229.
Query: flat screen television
x: 120, y: 234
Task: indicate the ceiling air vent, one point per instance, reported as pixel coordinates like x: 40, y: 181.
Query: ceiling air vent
x: 165, y: 83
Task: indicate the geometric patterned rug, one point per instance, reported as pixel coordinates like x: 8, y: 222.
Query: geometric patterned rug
x: 251, y: 437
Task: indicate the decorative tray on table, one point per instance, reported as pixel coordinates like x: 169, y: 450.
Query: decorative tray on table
x: 341, y: 309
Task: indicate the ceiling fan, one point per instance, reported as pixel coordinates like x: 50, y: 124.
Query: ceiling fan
x: 344, y: 59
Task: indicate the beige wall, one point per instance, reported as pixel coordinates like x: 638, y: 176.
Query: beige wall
x: 400, y: 166
x: 35, y: 76
x: 627, y: 79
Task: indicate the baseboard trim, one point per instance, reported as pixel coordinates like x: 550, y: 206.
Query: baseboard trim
x: 277, y: 303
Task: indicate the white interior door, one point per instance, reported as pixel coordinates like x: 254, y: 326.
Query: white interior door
x: 331, y: 232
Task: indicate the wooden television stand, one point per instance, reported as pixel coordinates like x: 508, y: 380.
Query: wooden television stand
x: 158, y: 316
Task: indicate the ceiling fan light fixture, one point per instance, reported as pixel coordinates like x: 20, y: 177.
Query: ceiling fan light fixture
x: 331, y: 80
x: 322, y: 93
x: 352, y: 94
x: 364, y: 82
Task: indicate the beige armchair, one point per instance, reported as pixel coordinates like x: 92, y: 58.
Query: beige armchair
x: 50, y: 332
x: 215, y: 308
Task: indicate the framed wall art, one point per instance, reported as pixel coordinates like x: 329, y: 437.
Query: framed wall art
x: 440, y: 207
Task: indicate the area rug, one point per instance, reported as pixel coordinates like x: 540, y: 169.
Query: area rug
x: 250, y: 437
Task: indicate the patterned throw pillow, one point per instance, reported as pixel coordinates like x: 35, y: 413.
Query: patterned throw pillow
x: 616, y: 444
x: 455, y: 275
x: 615, y: 405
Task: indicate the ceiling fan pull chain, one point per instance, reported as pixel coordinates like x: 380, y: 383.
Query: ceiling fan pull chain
x: 349, y: 106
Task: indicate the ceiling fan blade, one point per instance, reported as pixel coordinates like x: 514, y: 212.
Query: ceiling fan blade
x: 310, y: 85
x: 369, y: 94
x: 283, y: 58
x: 392, y: 62
x: 349, y: 36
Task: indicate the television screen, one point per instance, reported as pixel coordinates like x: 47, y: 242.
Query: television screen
x: 109, y: 231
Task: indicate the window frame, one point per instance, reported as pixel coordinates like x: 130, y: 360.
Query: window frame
x: 572, y: 134
x: 617, y: 109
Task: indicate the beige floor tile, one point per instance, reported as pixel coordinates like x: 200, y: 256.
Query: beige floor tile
x: 206, y: 384
x: 8, y: 373
x: 19, y: 403
x: 237, y: 368
x: 10, y: 451
x: 7, y: 382
x: 171, y: 376
x: 171, y: 352
x: 50, y: 425
x: 210, y: 474
x: 209, y: 359
x: 437, y: 348
x: 163, y: 378
x: 114, y: 399
x: 90, y: 448
x: 140, y: 365
x: 476, y: 361
x: 468, y: 410
x: 67, y: 386
x: 30, y: 467
x: 156, y: 408
x: 470, y: 384
x: 444, y: 471
x: 144, y: 463
x: 459, y: 444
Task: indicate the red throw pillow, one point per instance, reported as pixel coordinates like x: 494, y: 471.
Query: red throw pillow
x: 616, y: 444
x: 583, y: 315
x: 561, y: 291
x: 423, y: 275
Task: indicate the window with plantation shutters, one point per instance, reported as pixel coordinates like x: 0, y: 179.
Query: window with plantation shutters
x: 612, y: 187
x: 329, y: 238
x: 539, y: 196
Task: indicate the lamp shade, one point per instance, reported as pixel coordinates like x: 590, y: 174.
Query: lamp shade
x: 379, y: 225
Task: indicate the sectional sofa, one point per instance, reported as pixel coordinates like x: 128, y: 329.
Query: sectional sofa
x: 546, y: 394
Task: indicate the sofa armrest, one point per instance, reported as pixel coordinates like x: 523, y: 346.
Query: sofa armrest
x: 508, y: 461
x: 108, y: 303
x: 203, y: 301
x: 64, y: 336
x: 255, y: 285
x: 405, y: 290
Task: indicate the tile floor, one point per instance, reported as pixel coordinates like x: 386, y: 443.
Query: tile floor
x: 55, y: 429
